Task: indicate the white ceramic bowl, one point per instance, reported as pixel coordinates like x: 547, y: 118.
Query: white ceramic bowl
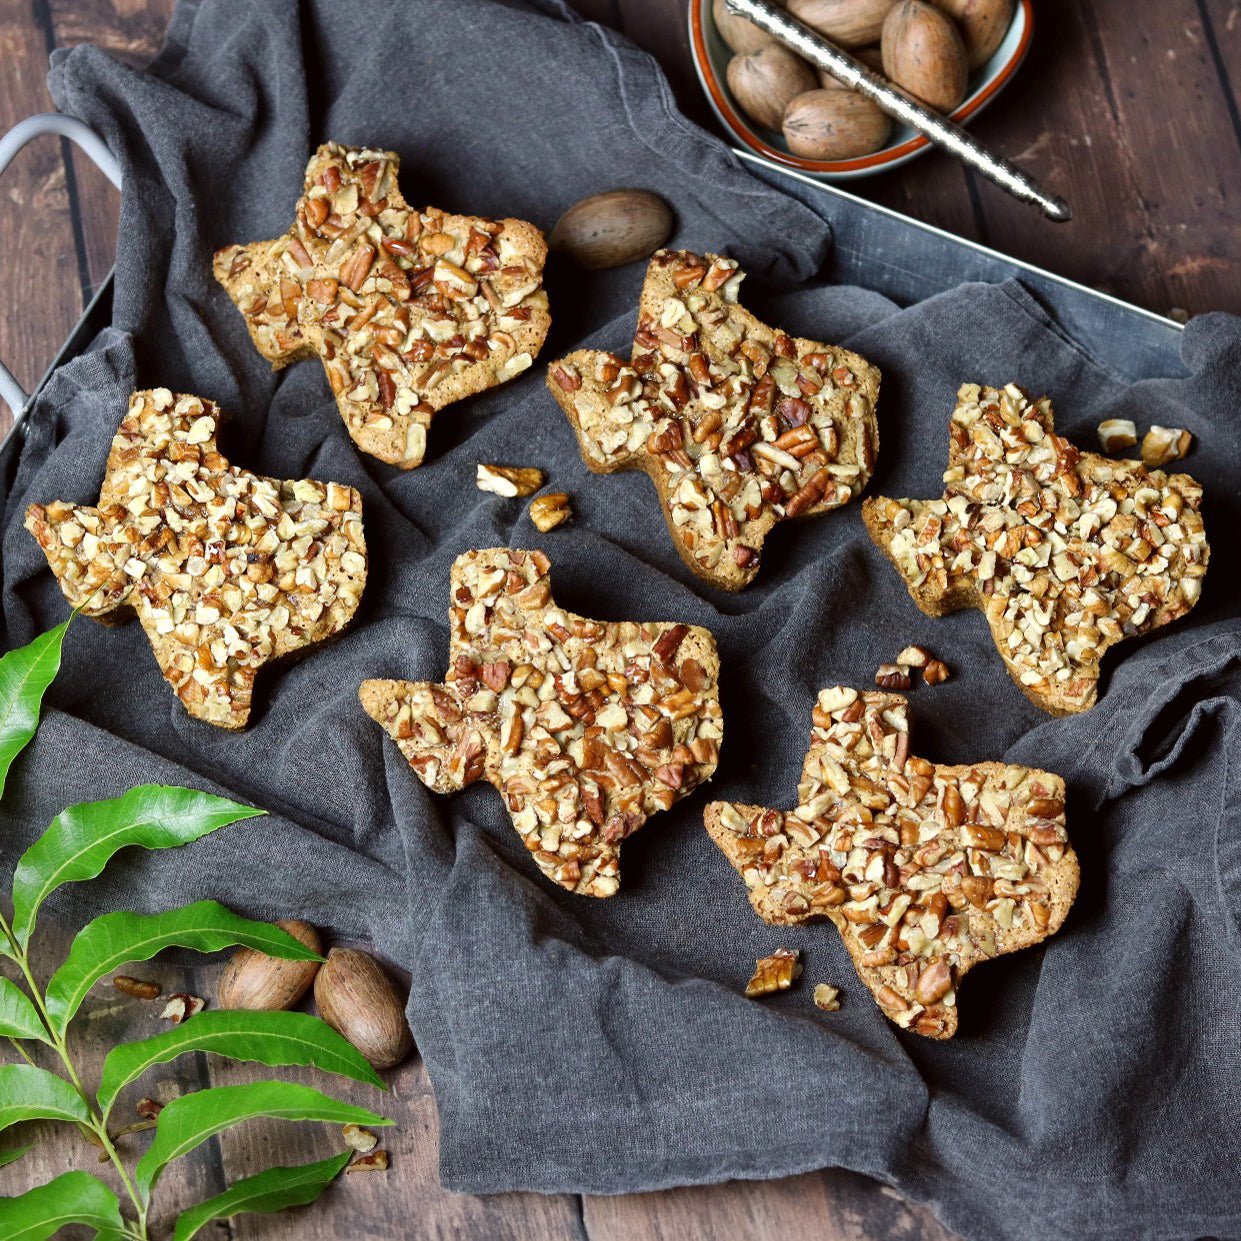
x: 712, y: 54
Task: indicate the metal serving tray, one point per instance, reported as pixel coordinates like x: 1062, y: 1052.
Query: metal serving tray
x: 874, y: 247
x: 908, y: 261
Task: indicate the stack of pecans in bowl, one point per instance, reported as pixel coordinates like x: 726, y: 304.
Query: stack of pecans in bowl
x: 926, y: 47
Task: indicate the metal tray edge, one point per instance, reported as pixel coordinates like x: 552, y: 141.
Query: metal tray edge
x: 865, y: 204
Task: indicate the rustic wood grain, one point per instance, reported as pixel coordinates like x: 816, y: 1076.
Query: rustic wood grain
x: 132, y: 31
x: 1156, y: 187
x: 1221, y: 20
x: 42, y: 294
x: 1129, y: 110
x: 829, y: 1206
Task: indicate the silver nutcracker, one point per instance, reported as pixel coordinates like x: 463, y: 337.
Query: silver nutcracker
x: 813, y: 47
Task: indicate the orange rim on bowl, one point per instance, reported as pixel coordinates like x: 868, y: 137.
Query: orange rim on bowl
x: 878, y: 158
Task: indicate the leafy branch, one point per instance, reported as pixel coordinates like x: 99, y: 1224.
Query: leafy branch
x: 75, y: 848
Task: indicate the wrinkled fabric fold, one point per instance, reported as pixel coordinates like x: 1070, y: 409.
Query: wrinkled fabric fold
x: 605, y: 1046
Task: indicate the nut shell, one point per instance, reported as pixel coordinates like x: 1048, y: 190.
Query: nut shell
x: 983, y: 25
x: 253, y: 980
x: 834, y: 124
x: 850, y: 23
x: 740, y: 34
x: 613, y: 228
x: 923, y: 52
x: 765, y: 82
x: 359, y: 1001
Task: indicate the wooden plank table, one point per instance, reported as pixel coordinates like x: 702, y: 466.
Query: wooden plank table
x: 1129, y: 111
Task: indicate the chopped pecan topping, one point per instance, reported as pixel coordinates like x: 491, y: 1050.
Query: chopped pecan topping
x: 408, y: 310
x: 925, y: 870
x: 586, y: 727
x: 774, y: 973
x: 738, y: 425
x: 225, y: 569
x: 1065, y: 552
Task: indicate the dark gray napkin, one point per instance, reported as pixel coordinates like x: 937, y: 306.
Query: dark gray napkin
x: 1094, y: 1087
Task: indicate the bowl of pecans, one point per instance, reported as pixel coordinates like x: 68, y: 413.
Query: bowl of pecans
x: 954, y: 55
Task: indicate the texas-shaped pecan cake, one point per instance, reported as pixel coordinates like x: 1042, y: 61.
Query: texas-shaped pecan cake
x: 1066, y: 553
x: 586, y: 727
x: 926, y: 870
x: 738, y: 424
x: 225, y: 569
x: 409, y: 310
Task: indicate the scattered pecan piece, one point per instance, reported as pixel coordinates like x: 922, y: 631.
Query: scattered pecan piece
x: 913, y: 657
x: 509, y: 480
x: 891, y: 676
x: 1117, y: 434
x: 1163, y: 444
x: 376, y: 1161
x: 935, y: 672
x: 551, y: 510
x: 181, y: 1007
x: 138, y: 988
x: 359, y: 1139
x: 774, y: 973
x: 827, y: 998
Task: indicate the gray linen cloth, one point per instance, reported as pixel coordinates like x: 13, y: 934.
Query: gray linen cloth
x: 1095, y: 1086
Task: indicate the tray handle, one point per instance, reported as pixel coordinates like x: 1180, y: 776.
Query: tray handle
x: 89, y: 142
